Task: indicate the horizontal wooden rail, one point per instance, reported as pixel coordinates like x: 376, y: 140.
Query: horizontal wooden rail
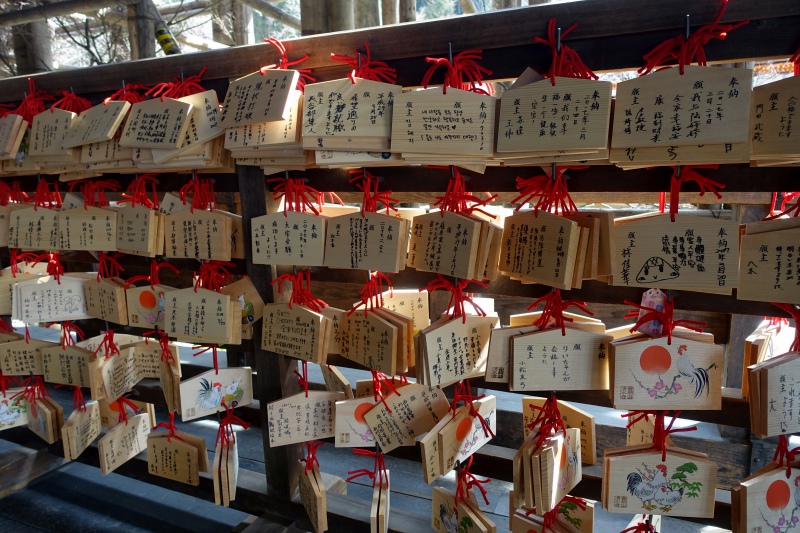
x: 611, y: 34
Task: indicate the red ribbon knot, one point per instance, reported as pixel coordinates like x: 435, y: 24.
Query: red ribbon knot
x: 107, y: 345
x: 310, y: 459
x: 458, y: 297
x: 554, y: 308
x: 179, y: 86
x: 466, y: 481
x: 214, y: 275
x: 365, y: 68
x: 463, y: 73
x: 298, y: 197
x: 284, y: 63
x: 371, y: 294
x: 226, y: 434
x: 665, y: 318
x: 566, y: 62
x: 378, y: 471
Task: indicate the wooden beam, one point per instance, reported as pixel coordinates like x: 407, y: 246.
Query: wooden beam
x: 273, y: 12
x: 313, y: 17
x: 389, y: 12
x: 274, y: 372
x: 366, y: 13
x: 20, y: 466
x: 145, y: 30
x: 408, y: 10
x: 56, y: 9
x: 340, y: 15
x: 468, y: 6
x: 613, y: 34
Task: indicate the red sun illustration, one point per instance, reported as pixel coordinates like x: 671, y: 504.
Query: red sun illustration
x: 360, y: 411
x: 778, y: 495
x: 563, y: 460
x: 463, y: 428
x: 655, y: 360
x: 147, y: 299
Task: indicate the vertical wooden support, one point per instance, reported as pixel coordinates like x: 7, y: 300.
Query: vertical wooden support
x: 243, y: 32
x: 145, y: 29
x: 274, y: 372
x: 389, y: 12
x: 505, y: 4
x: 32, y: 48
x: 133, y: 33
x: 313, y: 17
x: 408, y: 10
x: 340, y: 15
x: 366, y: 13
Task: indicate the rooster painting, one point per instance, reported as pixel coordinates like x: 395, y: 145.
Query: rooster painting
x: 697, y: 376
x: 645, y: 488
x: 233, y: 394
x: 659, y: 491
x: 210, y: 395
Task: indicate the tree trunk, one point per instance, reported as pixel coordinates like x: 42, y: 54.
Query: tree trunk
x: 505, y: 4
x: 389, y: 12
x: 537, y: 2
x: 408, y: 10
x: 366, y: 13
x: 468, y: 6
x: 222, y: 23
x: 340, y: 15
x: 145, y: 30
x: 313, y: 17
x: 243, y: 32
x: 32, y: 51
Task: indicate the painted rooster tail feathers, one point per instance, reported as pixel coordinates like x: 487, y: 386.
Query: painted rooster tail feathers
x: 697, y: 376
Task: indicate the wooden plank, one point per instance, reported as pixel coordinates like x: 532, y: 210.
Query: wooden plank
x: 275, y: 377
x: 20, y: 466
x: 611, y: 35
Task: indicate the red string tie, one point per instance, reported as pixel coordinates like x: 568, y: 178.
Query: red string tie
x: 108, y: 265
x: 682, y: 175
x: 71, y: 102
x: 226, y: 435
x: 463, y: 393
x: 202, y: 191
x: 457, y: 199
x: 378, y: 471
x: 553, y: 311
x: 458, y: 297
x: 33, y: 103
x: 566, y: 62
x: 131, y: 92
x: 684, y: 51
x: 136, y: 193
x: 786, y: 209
x: 549, y: 192
x: 34, y: 389
x: 5, y: 382
x: 662, y: 431
x: 794, y: 312
x: 46, y: 195
x: 152, y: 279
x: 170, y: 427
x: 379, y: 379
x: 284, y: 63
x: 665, y: 317
x: 78, y: 402
x: 641, y: 527
x: 371, y: 294
x: 368, y: 184
x: 203, y: 348
x: 107, y: 345
x: 463, y: 73
x: 178, y: 87
x: 298, y: 197
x: 214, y: 275
x: 785, y: 456
x: 123, y: 403
x: 302, y: 379
x: 365, y: 68
x: 466, y: 481
x: 163, y: 342
x: 310, y: 459
x: 67, y: 329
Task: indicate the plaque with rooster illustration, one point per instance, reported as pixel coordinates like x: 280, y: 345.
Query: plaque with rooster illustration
x: 651, y: 373
x: 205, y: 394
x: 681, y: 485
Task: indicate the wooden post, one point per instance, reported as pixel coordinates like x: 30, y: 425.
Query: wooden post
x: 366, y: 13
x: 505, y: 4
x: 221, y: 23
x: 243, y: 32
x: 274, y: 372
x: 313, y: 17
x: 32, y: 51
x: 408, y: 10
x: 389, y: 12
x: 340, y: 15
x: 468, y: 6
x: 133, y: 33
x: 145, y: 29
